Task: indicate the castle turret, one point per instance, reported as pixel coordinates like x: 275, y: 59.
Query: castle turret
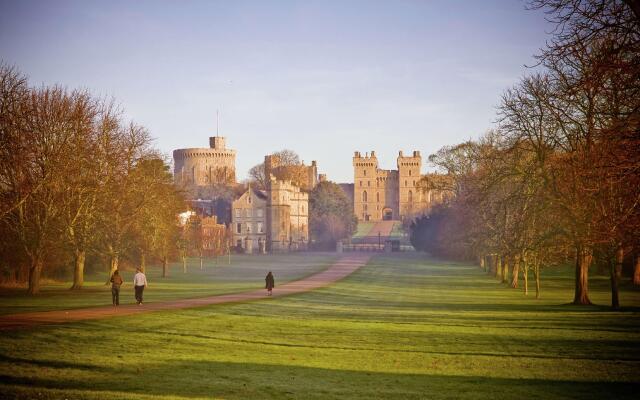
x: 217, y: 142
x: 205, y: 166
x: 408, y: 178
x: 365, y: 174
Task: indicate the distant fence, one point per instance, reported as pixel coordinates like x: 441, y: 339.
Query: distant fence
x: 375, y: 248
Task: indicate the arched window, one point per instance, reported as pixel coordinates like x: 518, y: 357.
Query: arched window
x: 409, y: 172
x: 410, y: 196
x: 365, y: 172
x: 364, y: 196
x: 378, y: 197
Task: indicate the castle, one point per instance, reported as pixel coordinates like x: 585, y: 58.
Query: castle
x: 205, y: 166
x: 275, y: 219
x: 380, y: 194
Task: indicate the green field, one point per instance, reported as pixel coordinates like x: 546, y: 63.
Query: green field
x: 218, y: 276
x: 403, y: 327
x: 363, y: 229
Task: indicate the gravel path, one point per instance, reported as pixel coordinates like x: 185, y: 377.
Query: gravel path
x: 339, y: 270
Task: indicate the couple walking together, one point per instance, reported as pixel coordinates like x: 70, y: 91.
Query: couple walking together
x: 139, y: 283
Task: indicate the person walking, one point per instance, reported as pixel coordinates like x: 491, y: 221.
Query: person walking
x: 270, y: 283
x: 116, y: 282
x: 139, y: 283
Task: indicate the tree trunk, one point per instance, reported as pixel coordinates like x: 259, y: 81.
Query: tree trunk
x: 482, y: 265
x: 201, y: 261
x: 515, y: 275
x: 184, y: 264
x: 143, y: 261
x: 616, y: 272
x: 525, y: 273
x: 506, y: 261
x: 536, y: 273
x: 636, y: 271
x: 498, y: 264
x: 165, y: 267
x: 78, y: 271
x: 584, y: 256
x: 35, y: 269
x: 115, y: 261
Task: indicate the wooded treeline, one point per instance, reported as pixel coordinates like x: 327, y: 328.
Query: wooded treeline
x: 559, y: 179
x: 77, y: 181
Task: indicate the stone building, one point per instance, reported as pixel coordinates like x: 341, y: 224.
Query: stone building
x: 380, y: 194
x: 277, y: 218
x: 205, y: 166
x: 249, y: 220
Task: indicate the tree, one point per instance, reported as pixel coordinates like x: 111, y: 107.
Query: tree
x: 258, y: 177
x: 52, y: 120
x: 331, y: 215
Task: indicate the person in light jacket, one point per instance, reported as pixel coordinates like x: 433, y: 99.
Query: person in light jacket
x: 139, y: 283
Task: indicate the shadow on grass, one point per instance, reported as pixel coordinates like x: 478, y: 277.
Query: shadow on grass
x: 59, y: 364
x: 248, y: 381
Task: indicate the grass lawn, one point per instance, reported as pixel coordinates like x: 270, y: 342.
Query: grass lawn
x: 403, y: 327
x: 246, y: 272
x: 363, y: 229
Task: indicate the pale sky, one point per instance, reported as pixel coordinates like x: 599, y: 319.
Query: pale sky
x: 322, y: 78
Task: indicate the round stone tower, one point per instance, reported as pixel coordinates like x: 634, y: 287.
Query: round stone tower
x: 205, y: 166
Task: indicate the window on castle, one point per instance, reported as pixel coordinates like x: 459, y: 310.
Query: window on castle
x: 238, y: 228
x: 249, y: 199
x: 248, y: 212
x: 238, y: 215
x: 260, y: 228
x: 405, y: 183
x: 410, y: 196
x: 248, y: 227
x: 259, y: 212
x: 409, y: 172
x: 378, y: 197
x: 360, y: 183
x: 364, y: 196
x: 365, y: 172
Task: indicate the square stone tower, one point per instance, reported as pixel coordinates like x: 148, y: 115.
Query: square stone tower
x: 408, y: 177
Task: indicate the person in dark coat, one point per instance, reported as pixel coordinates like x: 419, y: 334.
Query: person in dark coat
x: 116, y: 282
x: 270, y: 283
